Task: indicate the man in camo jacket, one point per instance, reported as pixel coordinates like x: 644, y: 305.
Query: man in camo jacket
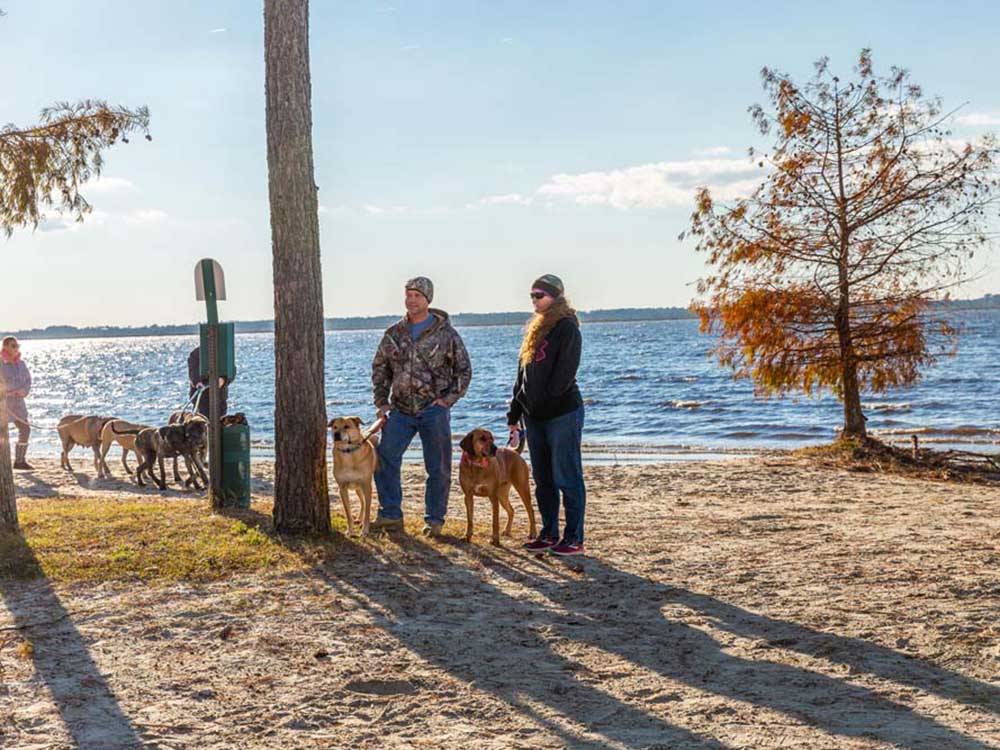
x: 423, y: 365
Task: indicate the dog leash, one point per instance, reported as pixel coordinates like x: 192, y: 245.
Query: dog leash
x: 199, y: 391
x: 18, y: 420
x: 195, y: 398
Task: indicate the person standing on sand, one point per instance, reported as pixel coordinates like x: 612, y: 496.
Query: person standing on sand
x: 195, y: 379
x: 17, y: 381
x: 547, y: 397
x: 422, y: 364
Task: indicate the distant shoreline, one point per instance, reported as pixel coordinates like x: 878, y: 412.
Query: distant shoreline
x: 374, y: 323
x: 380, y: 322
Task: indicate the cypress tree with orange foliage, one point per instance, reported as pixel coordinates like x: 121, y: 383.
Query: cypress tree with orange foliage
x: 825, y: 277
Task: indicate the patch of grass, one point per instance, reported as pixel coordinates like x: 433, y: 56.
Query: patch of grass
x: 839, y: 449
x: 173, y: 540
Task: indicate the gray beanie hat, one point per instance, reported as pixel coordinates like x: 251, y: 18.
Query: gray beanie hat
x: 550, y: 284
x: 423, y: 285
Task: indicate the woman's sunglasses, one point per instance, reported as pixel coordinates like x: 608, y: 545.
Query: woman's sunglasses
x: 538, y: 295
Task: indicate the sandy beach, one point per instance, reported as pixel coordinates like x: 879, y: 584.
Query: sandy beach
x: 751, y: 603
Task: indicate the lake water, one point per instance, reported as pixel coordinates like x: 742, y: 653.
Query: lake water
x: 653, y: 391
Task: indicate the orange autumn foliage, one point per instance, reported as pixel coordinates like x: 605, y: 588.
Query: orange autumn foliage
x: 825, y: 276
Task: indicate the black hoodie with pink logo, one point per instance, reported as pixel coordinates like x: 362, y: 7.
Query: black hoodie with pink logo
x: 546, y: 388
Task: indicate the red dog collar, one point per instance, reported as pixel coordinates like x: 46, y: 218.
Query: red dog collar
x: 482, y: 463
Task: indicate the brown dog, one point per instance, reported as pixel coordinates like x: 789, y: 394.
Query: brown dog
x: 488, y: 471
x: 354, y: 464
x: 75, y: 430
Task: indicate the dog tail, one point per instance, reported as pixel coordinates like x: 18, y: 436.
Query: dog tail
x: 124, y: 432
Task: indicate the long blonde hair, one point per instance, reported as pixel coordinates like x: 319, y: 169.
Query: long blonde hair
x: 541, y: 324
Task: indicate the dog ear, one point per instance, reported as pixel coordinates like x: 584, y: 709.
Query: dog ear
x: 466, y: 444
x: 330, y: 423
x: 358, y: 421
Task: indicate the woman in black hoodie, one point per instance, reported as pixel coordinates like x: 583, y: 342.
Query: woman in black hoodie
x: 546, y: 396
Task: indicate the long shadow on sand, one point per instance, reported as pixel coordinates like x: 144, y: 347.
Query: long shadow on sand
x: 434, y: 604
x: 452, y: 638
x: 89, y: 709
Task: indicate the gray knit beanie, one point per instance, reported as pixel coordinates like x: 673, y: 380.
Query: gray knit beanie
x: 550, y: 284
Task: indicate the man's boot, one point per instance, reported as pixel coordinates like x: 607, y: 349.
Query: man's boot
x: 387, y: 524
x: 19, y: 462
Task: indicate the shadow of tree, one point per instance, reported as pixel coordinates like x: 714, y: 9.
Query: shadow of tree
x: 626, y: 619
x: 456, y: 643
x: 88, y: 707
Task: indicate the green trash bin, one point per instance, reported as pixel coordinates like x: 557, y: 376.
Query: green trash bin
x: 235, y: 482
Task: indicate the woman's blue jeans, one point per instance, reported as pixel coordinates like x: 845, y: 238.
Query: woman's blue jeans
x: 557, y: 466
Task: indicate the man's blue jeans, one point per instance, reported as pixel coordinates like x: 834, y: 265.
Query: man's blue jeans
x: 433, y: 424
x: 557, y: 466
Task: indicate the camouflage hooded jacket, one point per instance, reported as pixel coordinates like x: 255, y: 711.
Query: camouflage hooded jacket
x: 434, y: 366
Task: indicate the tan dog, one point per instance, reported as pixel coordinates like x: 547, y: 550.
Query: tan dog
x: 354, y: 462
x: 488, y: 471
x: 121, y: 432
x: 77, y: 430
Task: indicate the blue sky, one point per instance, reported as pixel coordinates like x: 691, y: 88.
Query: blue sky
x: 479, y: 143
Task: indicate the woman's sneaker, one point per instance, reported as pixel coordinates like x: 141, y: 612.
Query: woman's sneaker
x: 567, y: 549
x: 541, y: 544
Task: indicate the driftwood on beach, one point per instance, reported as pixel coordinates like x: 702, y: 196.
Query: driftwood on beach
x: 955, y: 465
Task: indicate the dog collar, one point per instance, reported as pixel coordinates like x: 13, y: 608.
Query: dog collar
x: 351, y: 449
x: 482, y: 463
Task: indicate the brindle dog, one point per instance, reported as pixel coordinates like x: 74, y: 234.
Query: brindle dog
x: 186, y: 441
x: 187, y: 417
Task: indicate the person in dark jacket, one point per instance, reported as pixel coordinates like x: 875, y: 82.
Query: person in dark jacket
x: 548, y: 399
x: 195, y: 379
x: 420, y: 371
x: 17, y: 382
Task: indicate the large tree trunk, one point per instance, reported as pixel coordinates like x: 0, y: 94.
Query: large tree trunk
x: 301, y: 501
x: 8, y: 502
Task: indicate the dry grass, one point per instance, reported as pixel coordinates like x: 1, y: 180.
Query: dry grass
x: 149, y: 540
x: 101, y: 540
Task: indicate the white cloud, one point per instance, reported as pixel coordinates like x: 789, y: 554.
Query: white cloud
x: 655, y: 185
x: 507, y: 40
x: 411, y: 48
x: 145, y: 216
x: 56, y: 222
x: 221, y: 30
x: 979, y: 119
x: 510, y: 199
x: 714, y: 151
x: 105, y: 185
